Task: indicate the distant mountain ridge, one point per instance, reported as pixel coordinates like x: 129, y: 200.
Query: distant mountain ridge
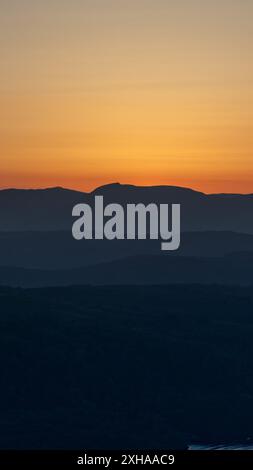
x: 51, y: 208
x: 235, y: 269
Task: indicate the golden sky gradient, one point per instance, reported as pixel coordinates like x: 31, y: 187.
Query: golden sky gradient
x: 135, y: 91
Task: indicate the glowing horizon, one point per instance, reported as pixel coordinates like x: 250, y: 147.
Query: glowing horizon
x: 90, y: 189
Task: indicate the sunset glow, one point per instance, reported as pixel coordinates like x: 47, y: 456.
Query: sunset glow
x: 139, y: 91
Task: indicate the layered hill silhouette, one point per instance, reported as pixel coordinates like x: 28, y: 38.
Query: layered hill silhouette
x: 37, y: 247
x: 151, y: 348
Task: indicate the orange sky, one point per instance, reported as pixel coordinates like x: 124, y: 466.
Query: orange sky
x: 143, y: 92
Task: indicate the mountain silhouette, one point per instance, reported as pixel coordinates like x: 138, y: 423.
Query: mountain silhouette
x: 51, y: 209
x: 37, y: 247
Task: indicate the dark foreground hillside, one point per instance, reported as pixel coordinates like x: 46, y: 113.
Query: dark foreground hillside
x: 136, y: 367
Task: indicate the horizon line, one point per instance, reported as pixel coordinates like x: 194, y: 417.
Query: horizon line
x: 47, y: 188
